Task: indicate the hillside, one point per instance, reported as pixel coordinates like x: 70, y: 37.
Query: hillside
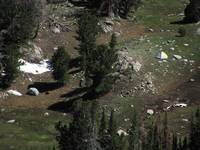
x: 151, y: 83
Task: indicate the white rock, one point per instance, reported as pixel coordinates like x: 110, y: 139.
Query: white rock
x: 46, y: 114
x: 109, y: 22
x: 180, y: 105
x: 185, y: 120
x: 177, y: 57
x: 198, y: 31
x: 11, y: 121
x: 186, y: 44
x: 33, y: 91
x: 14, y: 92
x: 122, y: 132
x: 192, y: 80
x: 150, y: 111
x: 137, y: 66
x: 172, y: 48
x: 166, y: 101
x: 56, y: 30
x: 162, y: 55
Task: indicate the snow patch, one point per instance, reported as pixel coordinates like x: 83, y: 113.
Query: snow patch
x: 33, y: 68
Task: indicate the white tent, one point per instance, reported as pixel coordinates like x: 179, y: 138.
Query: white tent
x: 162, y: 55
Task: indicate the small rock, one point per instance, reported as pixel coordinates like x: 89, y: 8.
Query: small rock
x: 46, y: 114
x: 178, y: 57
x: 185, y: 120
x: 150, y: 111
x: 192, y: 80
x: 56, y: 30
x: 33, y: 91
x: 11, y: 121
x: 122, y: 132
x: 109, y: 22
x: 14, y: 92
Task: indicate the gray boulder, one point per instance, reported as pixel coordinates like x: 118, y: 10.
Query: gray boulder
x: 33, y: 91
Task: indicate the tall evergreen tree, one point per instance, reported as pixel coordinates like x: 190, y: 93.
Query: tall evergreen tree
x: 194, y: 138
x: 134, y: 133
x: 60, y: 64
x: 18, y: 23
x: 102, y: 128
x: 175, y: 142
x: 166, y: 134
x: 81, y: 133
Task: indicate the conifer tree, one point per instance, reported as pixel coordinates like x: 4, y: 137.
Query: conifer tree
x: 102, y: 128
x: 81, y: 133
x: 175, y: 142
x: 194, y: 138
x: 18, y: 23
x: 60, y: 64
x: 112, y: 131
x: 134, y: 133
x: 166, y: 134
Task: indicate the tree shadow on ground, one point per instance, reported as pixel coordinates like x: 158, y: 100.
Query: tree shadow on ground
x: 75, y: 92
x: 183, y: 21
x: 64, y: 106
x: 46, y: 86
x: 84, y: 94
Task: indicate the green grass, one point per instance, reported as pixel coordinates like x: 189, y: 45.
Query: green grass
x: 32, y: 130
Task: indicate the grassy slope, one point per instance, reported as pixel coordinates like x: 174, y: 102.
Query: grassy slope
x: 34, y: 131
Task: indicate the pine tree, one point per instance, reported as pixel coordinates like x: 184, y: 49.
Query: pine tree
x: 112, y: 130
x: 166, y: 134
x: 81, y: 133
x: 134, y: 133
x: 102, y: 128
x: 18, y: 24
x: 194, y: 138
x: 175, y: 142
x: 60, y: 64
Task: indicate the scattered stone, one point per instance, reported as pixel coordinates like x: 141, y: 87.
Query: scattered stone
x: 56, y: 30
x: 172, y: 48
x: 11, y: 121
x: 122, y: 132
x: 166, y: 101
x: 185, y: 120
x: 117, y: 34
x: 151, y: 30
x: 178, y: 57
x: 150, y: 111
x: 180, y: 105
x: 198, y: 31
x: 14, y: 92
x: 109, y: 22
x: 33, y: 91
x: 162, y: 55
x: 46, y: 114
x: 186, y: 44
x: 192, y: 80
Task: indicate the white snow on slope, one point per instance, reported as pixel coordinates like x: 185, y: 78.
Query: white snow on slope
x: 33, y: 68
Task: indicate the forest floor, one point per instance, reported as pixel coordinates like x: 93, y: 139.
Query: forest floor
x: 175, y: 80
